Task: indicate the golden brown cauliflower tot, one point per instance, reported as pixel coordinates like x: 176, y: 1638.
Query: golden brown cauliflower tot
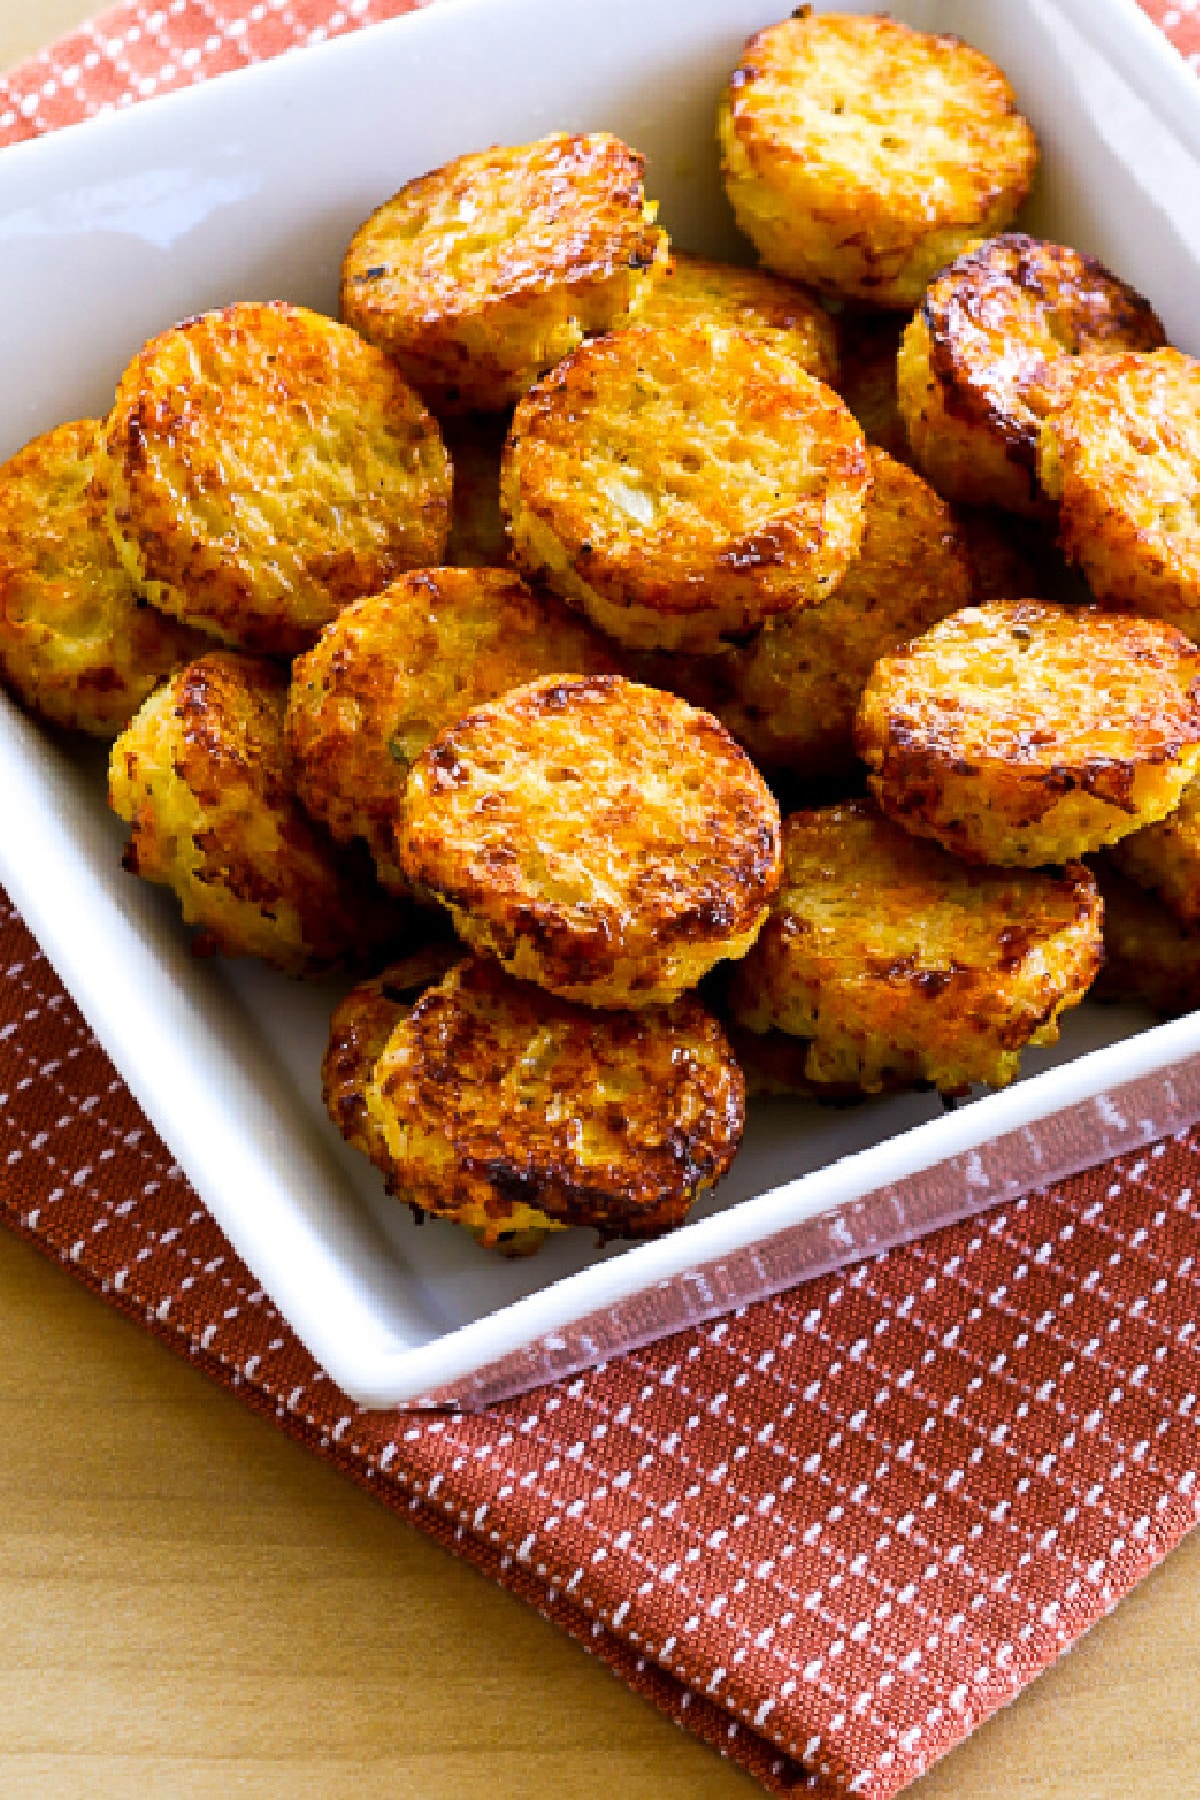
x: 361, y: 1027
x: 898, y: 962
x: 505, y: 1108
x: 680, y: 486
x: 1022, y: 733
x: 996, y: 345
x: 393, y: 670
x: 861, y: 155
x: 267, y: 466
x: 199, y: 776
x: 601, y: 838
x: 483, y: 273
x: 77, y: 646
x: 1122, y: 458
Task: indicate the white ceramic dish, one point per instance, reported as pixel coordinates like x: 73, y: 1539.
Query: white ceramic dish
x: 250, y: 187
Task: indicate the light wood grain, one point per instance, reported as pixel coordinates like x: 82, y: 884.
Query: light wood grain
x: 25, y: 25
x: 192, y: 1606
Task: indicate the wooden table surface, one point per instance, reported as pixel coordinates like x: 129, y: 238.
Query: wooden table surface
x: 190, y: 1605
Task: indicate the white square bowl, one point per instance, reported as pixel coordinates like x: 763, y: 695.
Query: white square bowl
x: 249, y: 187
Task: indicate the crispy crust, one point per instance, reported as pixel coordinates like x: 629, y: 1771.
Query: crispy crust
x: 267, y: 467
x: 1122, y: 458
x: 481, y: 274
x: 898, y: 962
x: 681, y: 486
x: 394, y: 669
x: 790, y: 695
x: 995, y: 345
x: 1023, y: 733
x: 492, y: 1096
x: 601, y: 838
x: 77, y: 647
x: 861, y: 156
x: 199, y: 776
x: 696, y: 291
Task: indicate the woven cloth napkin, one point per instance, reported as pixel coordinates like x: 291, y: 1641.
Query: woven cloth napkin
x: 830, y: 1533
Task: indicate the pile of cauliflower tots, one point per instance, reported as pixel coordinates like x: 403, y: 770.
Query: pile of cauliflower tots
x: 471, y: 644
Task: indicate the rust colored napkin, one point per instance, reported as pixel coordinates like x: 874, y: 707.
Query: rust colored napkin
x: 830, y: 1533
